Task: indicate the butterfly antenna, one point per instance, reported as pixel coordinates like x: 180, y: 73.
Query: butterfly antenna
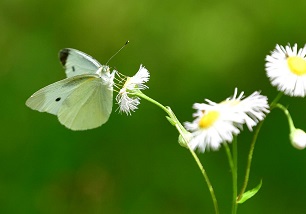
x: 127, y: 42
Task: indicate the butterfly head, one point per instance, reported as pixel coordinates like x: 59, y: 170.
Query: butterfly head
x: 106, y: 76
x: 104, y: 69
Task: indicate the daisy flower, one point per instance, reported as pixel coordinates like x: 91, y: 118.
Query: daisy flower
x: 127, y: 98
x: 216, y: 123
x: 286, y: 69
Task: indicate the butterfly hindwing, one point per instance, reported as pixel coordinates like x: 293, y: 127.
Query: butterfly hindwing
x: 76, y: 62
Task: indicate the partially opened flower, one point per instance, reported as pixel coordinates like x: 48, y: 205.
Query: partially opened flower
x: 217, y: 123
x: 286, y: 69
x: 127, y: 98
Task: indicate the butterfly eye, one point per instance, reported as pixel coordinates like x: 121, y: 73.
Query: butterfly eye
x: 57, y: 99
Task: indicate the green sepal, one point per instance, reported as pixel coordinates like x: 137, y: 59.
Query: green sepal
x: 249, y: 194
x: 171, y: 121
x: 182, y: 142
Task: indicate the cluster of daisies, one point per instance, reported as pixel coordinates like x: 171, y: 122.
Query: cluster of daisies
x: 217, y: 123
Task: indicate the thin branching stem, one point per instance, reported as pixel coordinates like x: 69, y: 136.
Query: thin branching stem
x: 232, y: 159
x: 286, y: 112
x: 249, y: 163
x: 273, y: 104
x: 183, y: 132
x: 203, y: 171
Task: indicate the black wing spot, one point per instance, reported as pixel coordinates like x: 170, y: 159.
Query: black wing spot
x: 73, y: 68
x: 57, y: 99
x: 63, y: 55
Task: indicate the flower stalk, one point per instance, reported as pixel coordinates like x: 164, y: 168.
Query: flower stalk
x: 182, y: 131
x: 232, y: 159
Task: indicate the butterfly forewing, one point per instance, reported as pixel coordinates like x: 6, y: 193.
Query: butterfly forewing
x: 87, y: 107
x: 50, y: 98
x: 76, y: 62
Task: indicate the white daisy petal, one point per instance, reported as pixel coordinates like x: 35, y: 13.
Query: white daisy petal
x: 252, y: 108
x: 213, y: 125
x: 126, y: 98
x: 127, y: 104
x: 286, y: 69
x: 217, y: 123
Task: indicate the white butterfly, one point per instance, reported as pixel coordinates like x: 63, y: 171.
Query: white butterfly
x: 84, y: 99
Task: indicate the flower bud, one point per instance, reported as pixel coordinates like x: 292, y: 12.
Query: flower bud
x: 298, y: 139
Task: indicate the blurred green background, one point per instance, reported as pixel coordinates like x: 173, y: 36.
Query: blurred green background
x: 133, y: 164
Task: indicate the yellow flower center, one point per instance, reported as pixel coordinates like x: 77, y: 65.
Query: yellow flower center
x: 297, y: 65
x: 208, y: 119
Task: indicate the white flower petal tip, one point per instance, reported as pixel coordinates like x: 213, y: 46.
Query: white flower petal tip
x: 217, y: 123
x: 286, y: 69
x: 127, y: 98
x: 298, y: 139
x: 141, y: 77
x: 252, y: 108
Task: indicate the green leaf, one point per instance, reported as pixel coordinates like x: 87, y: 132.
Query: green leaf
x: 249, y: 194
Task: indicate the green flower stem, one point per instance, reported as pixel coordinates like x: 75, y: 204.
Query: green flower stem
x: 204, y: 173
x: 235, y: 155
x: 232, y: 159
x: 249, y: 163
x: 211, y: 190
x: 276, y: 99
x: 286, y: 112
x: 142, y: 95
x: 273, y: 104
x: 235, y: 175
x: 182, y: 131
